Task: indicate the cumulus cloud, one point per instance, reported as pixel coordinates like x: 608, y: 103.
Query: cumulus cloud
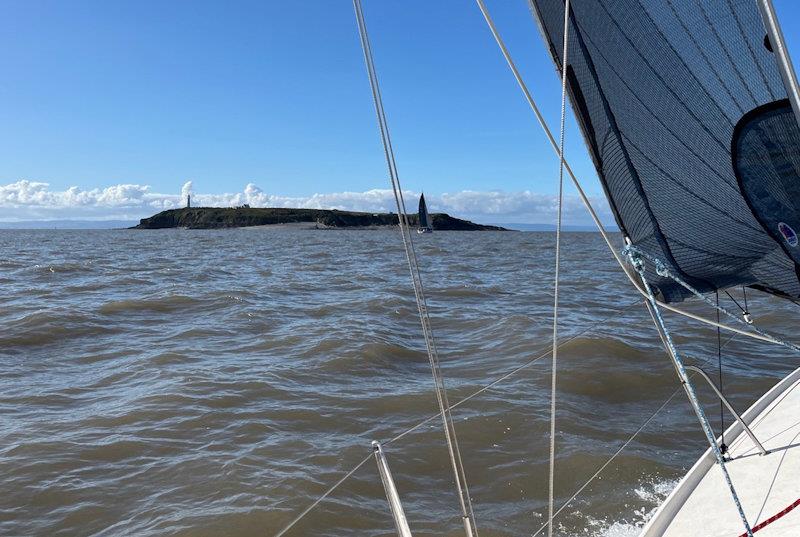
x: 31, y: 200
x: 186, y: 191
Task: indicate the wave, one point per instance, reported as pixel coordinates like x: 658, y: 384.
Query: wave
x: 469, y: 291
x: 199, y: 368
x: 165, y: 304
x: 49, y: 327
x: 61, y: 268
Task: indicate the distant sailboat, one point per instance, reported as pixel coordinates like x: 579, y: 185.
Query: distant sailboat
x: 424, y: 219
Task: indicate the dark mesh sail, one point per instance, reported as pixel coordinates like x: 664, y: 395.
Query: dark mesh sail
x: 423, y: 213
x: 687, y: 120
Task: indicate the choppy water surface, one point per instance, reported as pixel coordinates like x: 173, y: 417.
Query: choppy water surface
x: 216, y: 382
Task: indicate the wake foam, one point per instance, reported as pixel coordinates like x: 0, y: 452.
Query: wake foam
x: 651, y: 492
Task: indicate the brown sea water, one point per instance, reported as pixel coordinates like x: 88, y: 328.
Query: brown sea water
x: 216, y: 382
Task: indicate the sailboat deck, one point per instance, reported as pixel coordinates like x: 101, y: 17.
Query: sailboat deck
x: 768, y: 485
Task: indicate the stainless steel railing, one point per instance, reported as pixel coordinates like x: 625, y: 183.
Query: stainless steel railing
x: 400, y: 521
x: 729, y: 405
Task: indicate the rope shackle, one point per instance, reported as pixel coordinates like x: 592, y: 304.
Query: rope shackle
x: 635, y: 258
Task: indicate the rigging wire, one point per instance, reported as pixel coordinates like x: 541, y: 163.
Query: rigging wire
x: 623, y: 446
x: 491, y: 385
x: 746, y: 315
x: 465, y: 501
x: 408, y: 244
x: 642, y: 286
x: 325, y: 494
x: 723, y: 448
x: 744, y: 294
x: 460, y: 402
x: 745, y: 312
x: 554, y: 371
x: 517, y: 370
x: 663, y: 271
x: 582, y: 194
x: 636, y: 259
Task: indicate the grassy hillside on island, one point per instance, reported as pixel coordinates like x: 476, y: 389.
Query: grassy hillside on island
x: 232, y: 217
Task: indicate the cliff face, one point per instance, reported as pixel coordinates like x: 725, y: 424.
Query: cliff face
x: 224, y: 217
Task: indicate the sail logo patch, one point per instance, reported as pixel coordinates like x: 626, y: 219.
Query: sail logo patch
x: 788, y: 234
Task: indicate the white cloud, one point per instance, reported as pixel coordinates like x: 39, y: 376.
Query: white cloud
x: 186, y: 191
x: 30, y: 200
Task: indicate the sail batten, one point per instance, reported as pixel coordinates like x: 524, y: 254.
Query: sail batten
x: 661, y: 89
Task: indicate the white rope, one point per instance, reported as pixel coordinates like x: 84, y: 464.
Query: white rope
x: 554, y: 371
x: 664, y: 271
x: 584, y: 198
x: 462, y: 488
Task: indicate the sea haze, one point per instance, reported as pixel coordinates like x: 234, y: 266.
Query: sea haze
x: 180, y: 382
x: 517, y: 226
x: 68, y: 224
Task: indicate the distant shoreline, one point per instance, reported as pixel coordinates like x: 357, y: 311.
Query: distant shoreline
x: 243, y: 217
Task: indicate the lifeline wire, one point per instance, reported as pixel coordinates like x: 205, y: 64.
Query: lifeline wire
x: 489, y: 386
x: 621, y: 448
x: 554, y: 372
x: 465, y: 502
x: 458, y: 403
x: 327, y: 493
x: 514, y: 371
x: 584, y: 198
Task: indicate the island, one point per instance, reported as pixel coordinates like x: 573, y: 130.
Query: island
x: 235, y: 217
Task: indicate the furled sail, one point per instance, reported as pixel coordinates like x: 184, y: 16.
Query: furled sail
x: 424, y: 221
x: 684, y: 108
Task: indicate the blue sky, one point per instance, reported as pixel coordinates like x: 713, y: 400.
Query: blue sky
x: 105, y: 94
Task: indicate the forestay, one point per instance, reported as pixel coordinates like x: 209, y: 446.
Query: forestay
x: 685, y: 112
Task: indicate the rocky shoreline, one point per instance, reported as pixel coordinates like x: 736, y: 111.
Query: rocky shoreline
x: 235, y: 217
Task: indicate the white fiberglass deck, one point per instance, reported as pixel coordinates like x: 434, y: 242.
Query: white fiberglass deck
x: 701, y: 504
